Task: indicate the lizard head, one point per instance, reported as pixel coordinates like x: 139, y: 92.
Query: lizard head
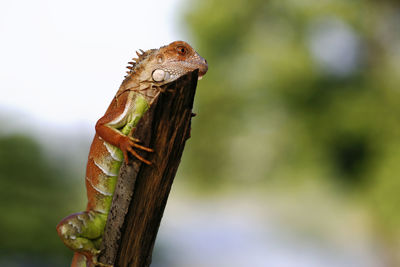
x: 169, y: 62
x: 177, y: 59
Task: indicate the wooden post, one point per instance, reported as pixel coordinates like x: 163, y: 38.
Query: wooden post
x: 142, y: 191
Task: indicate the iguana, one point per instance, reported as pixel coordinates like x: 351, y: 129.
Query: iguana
x: 82, y: 232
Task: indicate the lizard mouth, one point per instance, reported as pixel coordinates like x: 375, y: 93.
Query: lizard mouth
x: 201, y: 64
x: 203, y: 68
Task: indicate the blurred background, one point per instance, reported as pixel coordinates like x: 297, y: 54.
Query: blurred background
x: 294, y: 155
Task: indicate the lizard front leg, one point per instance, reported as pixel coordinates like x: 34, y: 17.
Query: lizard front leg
x: 108, y: 130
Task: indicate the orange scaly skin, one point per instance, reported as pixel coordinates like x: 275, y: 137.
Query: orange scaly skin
x: 82, y: 232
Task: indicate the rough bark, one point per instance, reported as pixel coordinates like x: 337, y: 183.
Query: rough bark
x: 142, y: 190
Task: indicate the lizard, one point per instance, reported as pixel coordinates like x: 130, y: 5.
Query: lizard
x: 82, y: 232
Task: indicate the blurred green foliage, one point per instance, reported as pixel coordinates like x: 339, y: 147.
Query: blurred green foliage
x: 34, y: 196
x: 299, y: 91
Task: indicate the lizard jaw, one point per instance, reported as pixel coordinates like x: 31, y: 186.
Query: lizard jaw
x: 202, y: 66
x: 203, y: 70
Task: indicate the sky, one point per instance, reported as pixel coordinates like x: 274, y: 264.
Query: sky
x: 62, y: 61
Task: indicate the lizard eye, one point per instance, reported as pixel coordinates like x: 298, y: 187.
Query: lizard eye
x: 181, y: 50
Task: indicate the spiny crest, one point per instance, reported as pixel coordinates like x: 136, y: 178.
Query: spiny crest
x: 135, y: 64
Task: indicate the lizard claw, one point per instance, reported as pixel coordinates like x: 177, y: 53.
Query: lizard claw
x: 97, y: 263
x: 128, y: 143
x: 135, y: 142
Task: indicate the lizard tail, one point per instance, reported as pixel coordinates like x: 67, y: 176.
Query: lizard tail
x: 78, y: 260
